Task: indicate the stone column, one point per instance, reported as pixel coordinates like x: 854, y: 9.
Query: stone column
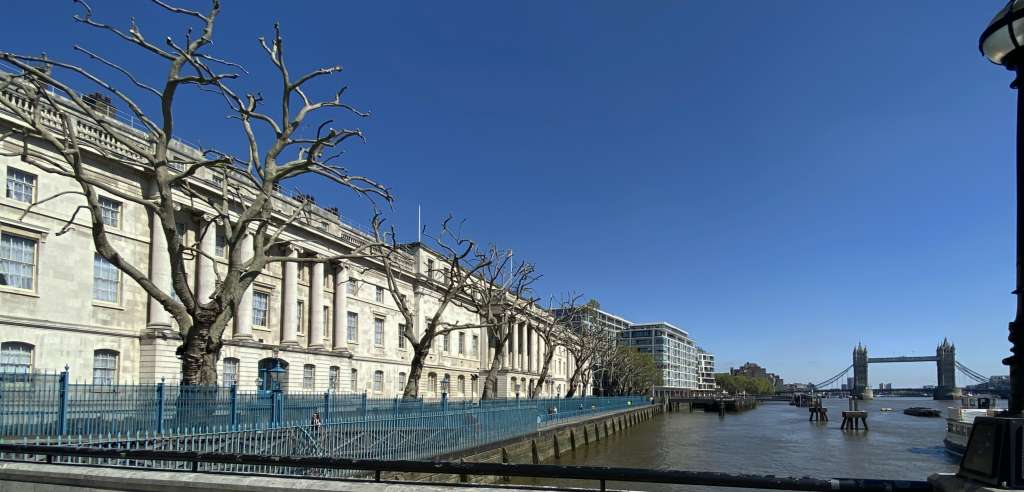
x: 535, y: 365
x: 289, y: 300
x: 206, y: 275
x: 159, y: 272
x: 488, y: 348
x: 517, y: 362
x: 340, y: 307
x: 316, y: 306
x: 243, y: 312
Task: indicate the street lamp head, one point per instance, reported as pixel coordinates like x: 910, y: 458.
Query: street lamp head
x: 1000, y: 40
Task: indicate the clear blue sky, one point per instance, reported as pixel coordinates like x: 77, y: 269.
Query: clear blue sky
x: 782, y: 179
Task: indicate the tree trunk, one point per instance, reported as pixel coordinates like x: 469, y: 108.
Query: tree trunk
x: 549, y: 353
x: 573, y: 381
x: 491, y: 379
x: 412, y: 385
x: 199, y: 354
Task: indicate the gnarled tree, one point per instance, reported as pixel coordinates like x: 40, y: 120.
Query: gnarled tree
x: 554, y: 332
x: 445, y: 278
x: 502, y: 296
x: 74, y: 128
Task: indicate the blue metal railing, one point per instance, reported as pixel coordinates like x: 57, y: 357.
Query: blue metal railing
x: 49, y: 405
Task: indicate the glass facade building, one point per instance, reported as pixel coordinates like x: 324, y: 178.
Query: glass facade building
x: 674, y: 352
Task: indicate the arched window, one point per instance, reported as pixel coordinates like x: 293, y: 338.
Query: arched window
x: 16, y: 357
x: 432, y: 383
x: 230, y: 371
x: 474, y: 384
x: 378, y: 381
x: 402, y: 381
x: 462, y: 385
x: 446, y: 384
x: 273, y: 374
x: 353, y: 384
x: 104, y: 367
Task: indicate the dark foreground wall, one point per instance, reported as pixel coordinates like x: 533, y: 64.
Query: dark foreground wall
x: 37, y: 477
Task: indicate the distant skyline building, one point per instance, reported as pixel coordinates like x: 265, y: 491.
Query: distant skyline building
x: 752, y: 370
x: 675, y: 353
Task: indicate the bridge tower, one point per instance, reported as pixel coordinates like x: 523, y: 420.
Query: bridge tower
x: 860, y: 373
x: 945, y: 361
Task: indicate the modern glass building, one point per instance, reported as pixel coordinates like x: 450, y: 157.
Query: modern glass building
x: 674, y: 352
x: 706, y: 370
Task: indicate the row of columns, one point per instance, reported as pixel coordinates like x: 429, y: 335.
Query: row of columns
x: 206, y: 277
x: 525, y: 350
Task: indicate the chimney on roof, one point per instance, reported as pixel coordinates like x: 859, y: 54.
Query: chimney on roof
x: 101, y: 103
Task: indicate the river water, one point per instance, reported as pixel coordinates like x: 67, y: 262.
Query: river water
x: 777, y: 439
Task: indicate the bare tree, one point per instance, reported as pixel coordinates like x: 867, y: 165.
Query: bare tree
x: 73, y: 129
x: 447, y: 284
x: 553, y: 331
x: 502, y: 296
x: 584, y: 346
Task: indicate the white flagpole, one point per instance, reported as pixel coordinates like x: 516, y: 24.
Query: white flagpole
x: 419, y: 225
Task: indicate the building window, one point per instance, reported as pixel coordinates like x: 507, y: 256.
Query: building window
x: 476, y: 344
x: 106, y: 280
x: 353, y: 384
x: 352, y: 287
x: 110, y: 212
x: 21, y: 186
x: 432, y: 383
x: 353, y: 326
x: 378, y: 294
x: 462, y: 385
x: 474, y: 382
x: 378, y: 331
x: 230, y: 371
x: 308, y: 376
x: 430, y: 269
x: 401, y: 382
x: 332, y: 378
x: 462, y: 343
x: 401, y: 335
x: 378, y: 381
x: 15, y: 357
x: 446, y: 384
x: 221, y: 242
x: 260, y: 305
x: 446, y: 344
x: 17, y: 261
x: 104, y: 367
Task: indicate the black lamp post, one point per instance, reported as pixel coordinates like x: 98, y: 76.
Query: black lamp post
x: 999, y: 43
x: 994, y: 451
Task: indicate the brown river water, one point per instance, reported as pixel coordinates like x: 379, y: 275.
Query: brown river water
x: 776, y: 439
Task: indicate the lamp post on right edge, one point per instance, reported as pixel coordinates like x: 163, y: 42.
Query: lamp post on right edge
x: 994, y: 452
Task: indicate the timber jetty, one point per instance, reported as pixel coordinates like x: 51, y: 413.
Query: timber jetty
x: 720, y: 405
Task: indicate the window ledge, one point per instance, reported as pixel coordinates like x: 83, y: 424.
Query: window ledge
x: 108, y: 305
x: 21, y: 292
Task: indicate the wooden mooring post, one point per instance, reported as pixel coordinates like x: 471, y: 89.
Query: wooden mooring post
x: 817, y: 412
x: 854, y: 417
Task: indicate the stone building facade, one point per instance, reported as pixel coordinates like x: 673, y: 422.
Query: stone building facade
x: 331, y: 327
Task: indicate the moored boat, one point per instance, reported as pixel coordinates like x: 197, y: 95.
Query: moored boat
x: 959, y: 421
x: 922, y: 412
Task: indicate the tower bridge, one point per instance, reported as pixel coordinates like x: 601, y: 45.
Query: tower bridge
x: 945, y: 364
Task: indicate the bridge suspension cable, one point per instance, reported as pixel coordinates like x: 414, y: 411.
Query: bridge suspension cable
x: 833, y: 379
x: 972, y: 374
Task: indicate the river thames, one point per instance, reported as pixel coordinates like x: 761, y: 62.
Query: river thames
x: 777, y: 439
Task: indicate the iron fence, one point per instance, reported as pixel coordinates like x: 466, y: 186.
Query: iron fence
x: 49, y: 405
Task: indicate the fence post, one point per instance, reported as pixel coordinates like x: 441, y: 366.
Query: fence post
x: 160, y: 406
x: 394, y: 405
x: 276, y: 407
x: 327, y: 407
x: 62, y: 405
x: 364, y: 405
x: 234, y: 405
x: 444, y: 401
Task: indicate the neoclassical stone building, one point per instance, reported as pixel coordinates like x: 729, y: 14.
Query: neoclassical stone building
x: 330, y: 326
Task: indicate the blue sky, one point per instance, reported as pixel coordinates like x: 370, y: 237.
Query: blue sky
x: 782, y: 179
